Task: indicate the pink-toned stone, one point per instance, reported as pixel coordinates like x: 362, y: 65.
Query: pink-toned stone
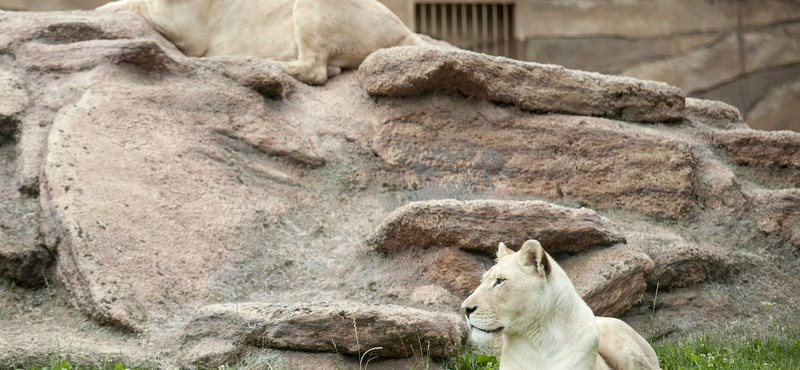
x: 610, y: 280
x: 479, y: 226
x: 410, y: 71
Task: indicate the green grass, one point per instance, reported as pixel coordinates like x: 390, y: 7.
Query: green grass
x: 781, y: 353
x: 737, y: 354
x: 471, y: 361
x: 63, y: 364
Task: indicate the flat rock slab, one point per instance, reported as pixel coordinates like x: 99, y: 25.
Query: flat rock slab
x: 610, y: 280
x: 540, y: 88
x: 480, y: 225
x: 680, y: 265
x: 714, y: 113
x: 771, y: 156
x: 216, y: 332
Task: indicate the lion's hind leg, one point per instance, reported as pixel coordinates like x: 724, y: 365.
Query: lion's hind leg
x: 622, y: 348
x: 600, y: 363
x: 308, y: 72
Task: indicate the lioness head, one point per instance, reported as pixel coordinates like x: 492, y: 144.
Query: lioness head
x: 512, y: 293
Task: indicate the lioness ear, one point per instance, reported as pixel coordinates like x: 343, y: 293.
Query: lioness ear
x: 503, y: 251
x: 535, y: 257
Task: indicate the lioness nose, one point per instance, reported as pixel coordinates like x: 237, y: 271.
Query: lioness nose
x: 470, y: 310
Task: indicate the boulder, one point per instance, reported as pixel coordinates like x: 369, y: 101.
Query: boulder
x: 714, y: 113
x: 409, y: 71
x: 777, y: 215
x: 478, y: 226
x: 681, y: 265
x: 610, y: 280
x: 767, y: 157
x: 216, y: 332
x: 685, y: 262
x: 716, y: 185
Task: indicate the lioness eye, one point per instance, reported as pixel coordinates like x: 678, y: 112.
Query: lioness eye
x: 499, y: 281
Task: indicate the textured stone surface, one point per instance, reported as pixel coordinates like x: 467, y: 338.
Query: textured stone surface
x: 23, y: 257
x: 478, y: 226
x: 408, y: 71
x: 714, y: 113
x: 680, y: 265
x: 216, y: 332
x: 768, y: 157
x: 610, y: 280
x: 456, y: 270
x: 261, y: 75
x: 777, y: 214
x: 591, y: 161
x: 14, y: 101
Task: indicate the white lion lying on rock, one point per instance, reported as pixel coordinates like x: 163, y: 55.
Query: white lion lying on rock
x: 545, y: 324
x: 313, y: 39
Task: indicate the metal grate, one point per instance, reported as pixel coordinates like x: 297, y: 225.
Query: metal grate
x: 485, y: 28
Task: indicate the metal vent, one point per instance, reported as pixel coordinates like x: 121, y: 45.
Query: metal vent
x: 482, y: 27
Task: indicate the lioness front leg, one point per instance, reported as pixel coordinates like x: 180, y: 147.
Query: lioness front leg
x: 311, y: 70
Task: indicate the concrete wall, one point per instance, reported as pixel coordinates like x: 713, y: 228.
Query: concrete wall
x: 744, y: 52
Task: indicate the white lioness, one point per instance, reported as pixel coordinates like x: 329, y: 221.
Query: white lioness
x: 528, y: 298
x: 311, y: 38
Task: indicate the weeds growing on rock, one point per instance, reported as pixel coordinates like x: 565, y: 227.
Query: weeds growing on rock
x: 417, y: 360
x: 5, y: 302
x: 472, y: 361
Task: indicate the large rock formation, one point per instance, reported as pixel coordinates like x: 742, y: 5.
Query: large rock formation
x: 144, y: 185
x: 384, y: 330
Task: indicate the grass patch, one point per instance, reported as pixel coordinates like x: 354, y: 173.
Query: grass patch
x: 737, y: 354
x: 703, y: 352
x: 471, y: 361
x: 63, y: 364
